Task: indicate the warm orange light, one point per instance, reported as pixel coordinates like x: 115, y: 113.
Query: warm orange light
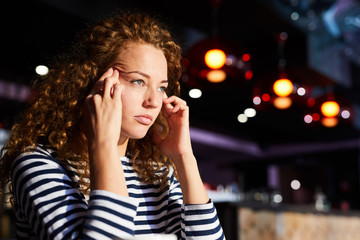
x: 283, y: 87
x: 329, y: 122
x: 215, y: 58
x: 330, y: 109
x: 282, y: 102
x: 216, y: 76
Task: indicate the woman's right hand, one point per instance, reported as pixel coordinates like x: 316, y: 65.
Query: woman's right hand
x: 103, y: 110
x: 103, y: 125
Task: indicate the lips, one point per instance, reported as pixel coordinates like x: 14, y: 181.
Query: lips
x: 144, y: 119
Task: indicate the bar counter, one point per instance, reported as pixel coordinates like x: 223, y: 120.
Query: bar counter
x: 256, y: 221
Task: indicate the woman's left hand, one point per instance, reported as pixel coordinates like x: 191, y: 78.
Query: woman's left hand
x: 177, y: 143
x: 177, y: 146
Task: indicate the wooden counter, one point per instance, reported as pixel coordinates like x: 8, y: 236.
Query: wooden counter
x: 261, y: 222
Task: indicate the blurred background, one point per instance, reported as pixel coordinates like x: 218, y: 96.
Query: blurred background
x: 274, y: 114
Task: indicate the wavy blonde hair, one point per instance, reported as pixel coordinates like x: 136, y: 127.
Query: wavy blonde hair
x: 54, y: 117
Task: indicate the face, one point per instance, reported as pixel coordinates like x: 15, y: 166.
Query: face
x: 143, y: 72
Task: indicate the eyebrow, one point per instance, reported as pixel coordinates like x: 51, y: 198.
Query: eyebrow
x: 138, y: 72
x: 143, y: 74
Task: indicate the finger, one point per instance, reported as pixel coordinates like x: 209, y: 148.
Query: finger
x: 174, y: 104
x: 174, y: 100
x: 166, y: 109
x: 179, y: 107
x: 176, y: 108
x: 107, y: 74
x: 110, y: 82
x: 117, y: 91
x: 99, y: 85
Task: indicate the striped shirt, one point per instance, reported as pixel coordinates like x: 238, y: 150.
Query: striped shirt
x: 49, y: 205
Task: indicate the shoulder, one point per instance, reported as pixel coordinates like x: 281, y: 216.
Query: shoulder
x: 38, y: 152
x: 39, y: 157
x: 38, y: 170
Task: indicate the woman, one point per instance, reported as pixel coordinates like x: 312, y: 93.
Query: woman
x: 95, y: 155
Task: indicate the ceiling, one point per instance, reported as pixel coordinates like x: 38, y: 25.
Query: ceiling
x: 36, y: 30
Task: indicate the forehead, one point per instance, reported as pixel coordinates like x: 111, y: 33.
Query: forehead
x: 141, y: 56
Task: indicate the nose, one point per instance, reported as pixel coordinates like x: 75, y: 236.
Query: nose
x: 152, y: 99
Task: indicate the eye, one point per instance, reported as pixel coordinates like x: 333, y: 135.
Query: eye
x: 162, y: 89
x: 138, y: 82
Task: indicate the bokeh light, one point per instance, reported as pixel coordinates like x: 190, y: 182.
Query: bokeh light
x: 308, y: 118
x: 329, y: 122
x: 283, y: 87
x: 301, y: 91
x: 250, y: 112
x: 216, y: 76
x: 265, y: 97
x: 345, y: 114
x: 242, y: 118
x: 282, y: 102
x: 330, y: 109
x: 257, y: 100
x: 215, y: 58
x: 295, y: 184
x: 42, y: 70
x: 195, y: 93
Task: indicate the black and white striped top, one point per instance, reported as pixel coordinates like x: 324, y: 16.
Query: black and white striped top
x: 49, y: 205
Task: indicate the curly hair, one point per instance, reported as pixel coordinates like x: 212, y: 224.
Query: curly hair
x: 54, y: 117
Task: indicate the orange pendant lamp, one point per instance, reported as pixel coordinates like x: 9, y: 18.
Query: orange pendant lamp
x: 330, y: 109
x: 283, y: 87
x: 215, y: 58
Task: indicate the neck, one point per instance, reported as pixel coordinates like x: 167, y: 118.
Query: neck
x: 122, y: 146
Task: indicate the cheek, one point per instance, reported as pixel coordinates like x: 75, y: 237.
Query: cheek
x: 158, y: 112
x: 130, y: 101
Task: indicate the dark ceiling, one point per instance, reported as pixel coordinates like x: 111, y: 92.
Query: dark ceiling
x: 34, y: 31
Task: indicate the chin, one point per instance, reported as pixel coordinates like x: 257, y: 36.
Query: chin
x: 136, y: 133
x: 137, y: 137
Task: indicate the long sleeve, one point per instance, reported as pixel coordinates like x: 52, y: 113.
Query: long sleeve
x: 48, y: 205
x: 198, y: 221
